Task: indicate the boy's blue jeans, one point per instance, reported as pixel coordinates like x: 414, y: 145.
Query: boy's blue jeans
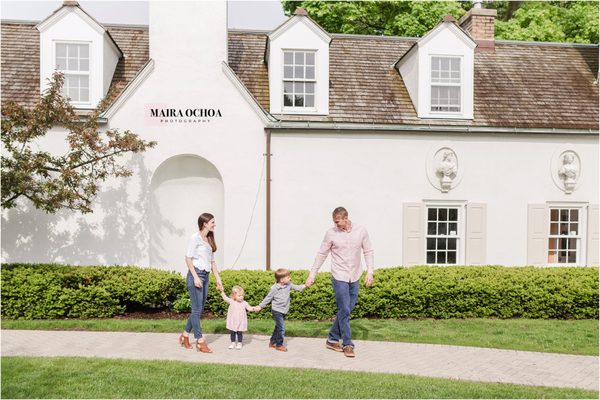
x: 279, y: 331
x: 198, y: 299
x: 346, y: 294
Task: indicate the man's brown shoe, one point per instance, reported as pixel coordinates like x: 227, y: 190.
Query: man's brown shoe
x: 349, y: 351
x: 335, y: 346
x: 281, y: 348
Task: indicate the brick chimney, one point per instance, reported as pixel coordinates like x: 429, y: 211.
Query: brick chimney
x: 479, y: 22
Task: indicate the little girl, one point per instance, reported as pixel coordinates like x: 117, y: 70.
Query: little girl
x: 237, y: 320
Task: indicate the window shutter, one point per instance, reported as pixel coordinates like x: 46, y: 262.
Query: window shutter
x: 537, y: 234
x: 476, y: 234
x: 413, y: 248
x: 593, y: 246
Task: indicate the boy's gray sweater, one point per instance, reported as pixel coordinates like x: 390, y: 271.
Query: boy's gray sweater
x: 280, y: 297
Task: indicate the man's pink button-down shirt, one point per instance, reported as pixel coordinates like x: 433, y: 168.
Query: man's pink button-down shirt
x: 345, y: 248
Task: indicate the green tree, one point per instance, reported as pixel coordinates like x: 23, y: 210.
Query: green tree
x: 557, y: 21
x: 70, y: 180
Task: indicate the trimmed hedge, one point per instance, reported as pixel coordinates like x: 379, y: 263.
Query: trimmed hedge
x: 54, y: 291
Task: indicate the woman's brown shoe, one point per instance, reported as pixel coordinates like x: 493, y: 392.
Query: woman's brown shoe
x: 184, y: 341
x: 203, y: 347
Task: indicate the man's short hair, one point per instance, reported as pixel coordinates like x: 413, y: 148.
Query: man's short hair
x: 340, y: 211
x: 280, y: 274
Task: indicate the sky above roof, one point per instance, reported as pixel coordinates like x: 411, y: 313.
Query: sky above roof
x: 261, y: 15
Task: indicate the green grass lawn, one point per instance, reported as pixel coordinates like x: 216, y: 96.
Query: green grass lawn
x: 554, y: 336
x: 69, y: 377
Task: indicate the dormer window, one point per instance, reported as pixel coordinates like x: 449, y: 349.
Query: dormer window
x: 73, y: 60
x: 299, y: 79
x: 445, y: 84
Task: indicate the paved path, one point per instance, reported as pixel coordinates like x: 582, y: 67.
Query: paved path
x: 455, y: 362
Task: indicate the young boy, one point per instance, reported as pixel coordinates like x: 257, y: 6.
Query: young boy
x: 279, y: 295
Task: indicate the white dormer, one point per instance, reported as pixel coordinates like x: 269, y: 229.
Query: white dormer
x: 297, y: 57
x: 438, y: 72
x: 76, y: 44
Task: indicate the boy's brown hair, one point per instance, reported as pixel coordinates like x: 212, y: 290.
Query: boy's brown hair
x: 280, y: 274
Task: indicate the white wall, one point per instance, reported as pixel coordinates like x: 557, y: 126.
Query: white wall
x: 372, y: 175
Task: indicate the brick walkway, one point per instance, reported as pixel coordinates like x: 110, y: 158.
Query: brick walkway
x: 455, y: 362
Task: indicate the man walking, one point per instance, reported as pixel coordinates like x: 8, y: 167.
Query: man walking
x: 345, y: 242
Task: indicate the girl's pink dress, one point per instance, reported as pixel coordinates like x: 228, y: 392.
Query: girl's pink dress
x: 237, y: 320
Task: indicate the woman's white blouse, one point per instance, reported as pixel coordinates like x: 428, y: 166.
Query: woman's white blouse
x: 200, y: 252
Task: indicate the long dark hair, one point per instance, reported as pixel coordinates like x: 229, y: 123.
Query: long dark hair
x: 203, y: 219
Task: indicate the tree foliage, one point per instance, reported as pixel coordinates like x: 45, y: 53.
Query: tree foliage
x: 70, y: 180
x: 556, y: 21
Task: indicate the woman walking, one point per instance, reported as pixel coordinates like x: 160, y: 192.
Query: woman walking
x: 200, y: 261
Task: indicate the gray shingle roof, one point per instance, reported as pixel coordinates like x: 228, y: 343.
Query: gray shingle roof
x: 519, y: 85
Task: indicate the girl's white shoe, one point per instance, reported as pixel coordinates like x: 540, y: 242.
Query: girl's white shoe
x: 239, y: 346
x: 232, y: 346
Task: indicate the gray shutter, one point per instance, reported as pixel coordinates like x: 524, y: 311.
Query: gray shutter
x: 537, y: 234
x: 476, y: 234
x: 593, y: 246
x: 413, y: 248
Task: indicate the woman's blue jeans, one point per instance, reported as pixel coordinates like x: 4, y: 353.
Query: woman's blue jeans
x: 346, y: 294
x: 198, y: 299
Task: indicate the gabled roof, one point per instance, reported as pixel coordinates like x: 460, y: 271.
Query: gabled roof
x: 519, y: 85
x: 300, y: 15
x: 73, y: 6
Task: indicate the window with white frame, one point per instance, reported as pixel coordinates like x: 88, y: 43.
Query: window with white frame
x: 445, y: 84
x: 73, y: 60
x: 443, y: 239
x: 564, y: 240
x: 299, y: 79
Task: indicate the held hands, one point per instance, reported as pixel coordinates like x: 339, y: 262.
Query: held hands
x: 256, y: 308
x: 220, y: 286
x: 309, y: 282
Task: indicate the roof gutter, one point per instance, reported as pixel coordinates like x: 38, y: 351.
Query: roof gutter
x: 317, y: 126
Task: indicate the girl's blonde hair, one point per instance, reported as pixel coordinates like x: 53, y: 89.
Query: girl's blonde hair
x: 237, y: 289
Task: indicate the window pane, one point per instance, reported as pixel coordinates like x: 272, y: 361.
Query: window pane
x: 310, y: 72
x: 453, y: 214
x: 442, y: 228
x: 441, y: 258
x: 72, y: 51
x: 72, y: 64
x: 451, y: 257
x: 572, y: 257
x: 443, y: 215
x: 431, y: 257
x: 73, y: 94
x: 61, y: 50
x: 299, y: 101
x: 564, y: 229
x: 84, y: 65
x: 574, y: 229
x: 299, y: 87
x: 554, y: 215
x: 562, y: 256
x: 288, y: 87
x: 574, y: 215
x: 310, y: 100
x: 310, y: 58
x: 288, y: 72
x: 452, y: 244
x: 552, y: 244
x: 572, y: 244
x: 287, y: 100
x: 431, y: 228
x: 61, y: 64
x: 552, y: 257
x: 299, y: 58
x: 84, y: 51
x: 299, y: 72
x: 288, y: 57
x: 430, y: 244
x: 452, y: 230
x: 554, y: 228
x: 309, y: 87
x: 441, y: 244
x: 84, y: 82
x: 431, y: 214
x: 564, y: 215
x: 84, y: 95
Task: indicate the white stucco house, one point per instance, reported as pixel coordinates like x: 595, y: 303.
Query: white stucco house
x: 452, y: 148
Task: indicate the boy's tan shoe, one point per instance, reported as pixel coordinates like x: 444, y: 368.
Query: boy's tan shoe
x: 349, y: 351
x: 281, y: 348
x: 272, y: 345
x: 335, y: 346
